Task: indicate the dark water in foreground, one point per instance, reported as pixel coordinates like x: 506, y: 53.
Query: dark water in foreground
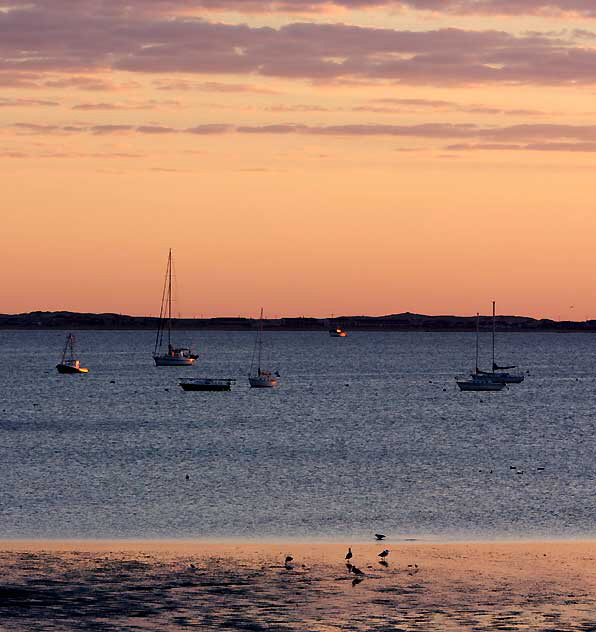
x: 365, y: 434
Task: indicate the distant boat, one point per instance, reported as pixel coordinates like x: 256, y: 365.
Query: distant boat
x: 335, y: 331
x: 259, y: 378
x: 165, y: 353
x: 68, y: 364
x: 207, y: 384
x: 479, y: 380
x: 500, y: 373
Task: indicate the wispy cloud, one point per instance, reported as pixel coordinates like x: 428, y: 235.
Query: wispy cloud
x: 182, y: 85
x: 19, y: 103
x: 142, y: 105
x: 538, y: 136
x: 176, y: 7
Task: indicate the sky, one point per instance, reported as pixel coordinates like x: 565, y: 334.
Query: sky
x: 311, y: 157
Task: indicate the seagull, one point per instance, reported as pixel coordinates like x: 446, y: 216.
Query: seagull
x: 349, y: 553
x: 289, y: 559
x: 384, y: 554
x: 380, y: 536
x: 357, y: 571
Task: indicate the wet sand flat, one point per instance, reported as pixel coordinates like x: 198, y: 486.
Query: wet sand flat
x: 244, y: 585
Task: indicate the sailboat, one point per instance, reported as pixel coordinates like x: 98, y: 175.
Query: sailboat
x: 335, y: 331
x: 479, y: 380
x: 500, y: 373
x: 260, y: 378
x: 165, y: 353
x: 68, y: 364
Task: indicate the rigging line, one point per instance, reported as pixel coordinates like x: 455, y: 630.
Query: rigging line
x: 159, y: 335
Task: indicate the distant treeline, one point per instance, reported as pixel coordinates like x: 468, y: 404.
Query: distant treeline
x: 393, y: 322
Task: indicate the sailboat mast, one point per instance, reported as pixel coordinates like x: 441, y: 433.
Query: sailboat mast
x: 169, y: 299
x: 493, y: 337
x: 65, y: 348
x: 260, y: 343
x: 477, y: 335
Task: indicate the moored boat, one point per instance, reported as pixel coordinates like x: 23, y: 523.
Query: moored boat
x: 479, y: 383
x: 501, y: 373
x: 337, y: 332
x: 206, y: 384
x: 260, y: 378
x: 168, y: 354
x: 68, y: 364
x: 479, y: 380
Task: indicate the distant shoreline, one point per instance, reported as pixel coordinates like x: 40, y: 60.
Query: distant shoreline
x: 65, y: 320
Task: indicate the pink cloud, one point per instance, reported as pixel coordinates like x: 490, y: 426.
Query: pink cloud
x: 47, y: 37
x: 9, y: 102
x: 111, y: 8
x: 183, y: 85
x: 536, y: 134
x: 145, y: 105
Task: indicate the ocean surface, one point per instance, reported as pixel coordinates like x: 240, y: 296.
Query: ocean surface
x: 365, y: 434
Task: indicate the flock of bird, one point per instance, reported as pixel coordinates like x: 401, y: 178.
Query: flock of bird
x: 352, y: 568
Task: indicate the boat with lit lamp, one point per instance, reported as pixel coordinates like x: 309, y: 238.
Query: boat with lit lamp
x: 68, y: 364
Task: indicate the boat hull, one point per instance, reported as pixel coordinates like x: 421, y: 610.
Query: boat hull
x: 260, y: 381
x: 173, y: 361
x: 207, y: 384
x: 480, y: 385
x: 66, y: 369
x: 506, y: 378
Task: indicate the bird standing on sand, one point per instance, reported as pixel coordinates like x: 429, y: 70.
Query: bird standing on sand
x: 380, y: 536
x: 289, y: 559
x: 384, y: 554
x: 357, y: 571
x: 349, y: 553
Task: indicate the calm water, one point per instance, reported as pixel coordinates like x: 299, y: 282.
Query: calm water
x: 365, y: 434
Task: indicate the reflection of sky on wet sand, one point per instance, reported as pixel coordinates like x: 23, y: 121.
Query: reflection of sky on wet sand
x: 238, y: 585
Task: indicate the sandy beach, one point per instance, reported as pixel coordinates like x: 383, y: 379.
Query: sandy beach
x: 245, y: 585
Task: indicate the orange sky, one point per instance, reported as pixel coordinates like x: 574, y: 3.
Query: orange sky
x: 349, y: 161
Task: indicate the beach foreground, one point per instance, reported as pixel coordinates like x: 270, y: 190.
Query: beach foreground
x: 244, y: 585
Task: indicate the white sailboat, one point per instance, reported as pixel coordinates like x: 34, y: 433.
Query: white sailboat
x: 479, y: 380
x: 500, y: 373
x: 259, y: 378
x: 165, y: 353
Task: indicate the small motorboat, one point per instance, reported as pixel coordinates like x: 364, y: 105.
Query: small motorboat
x: 206, y: 384
x: 68, y: 364
x: 337, y: 332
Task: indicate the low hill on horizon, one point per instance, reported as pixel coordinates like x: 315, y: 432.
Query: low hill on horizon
x: 406, y: 321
